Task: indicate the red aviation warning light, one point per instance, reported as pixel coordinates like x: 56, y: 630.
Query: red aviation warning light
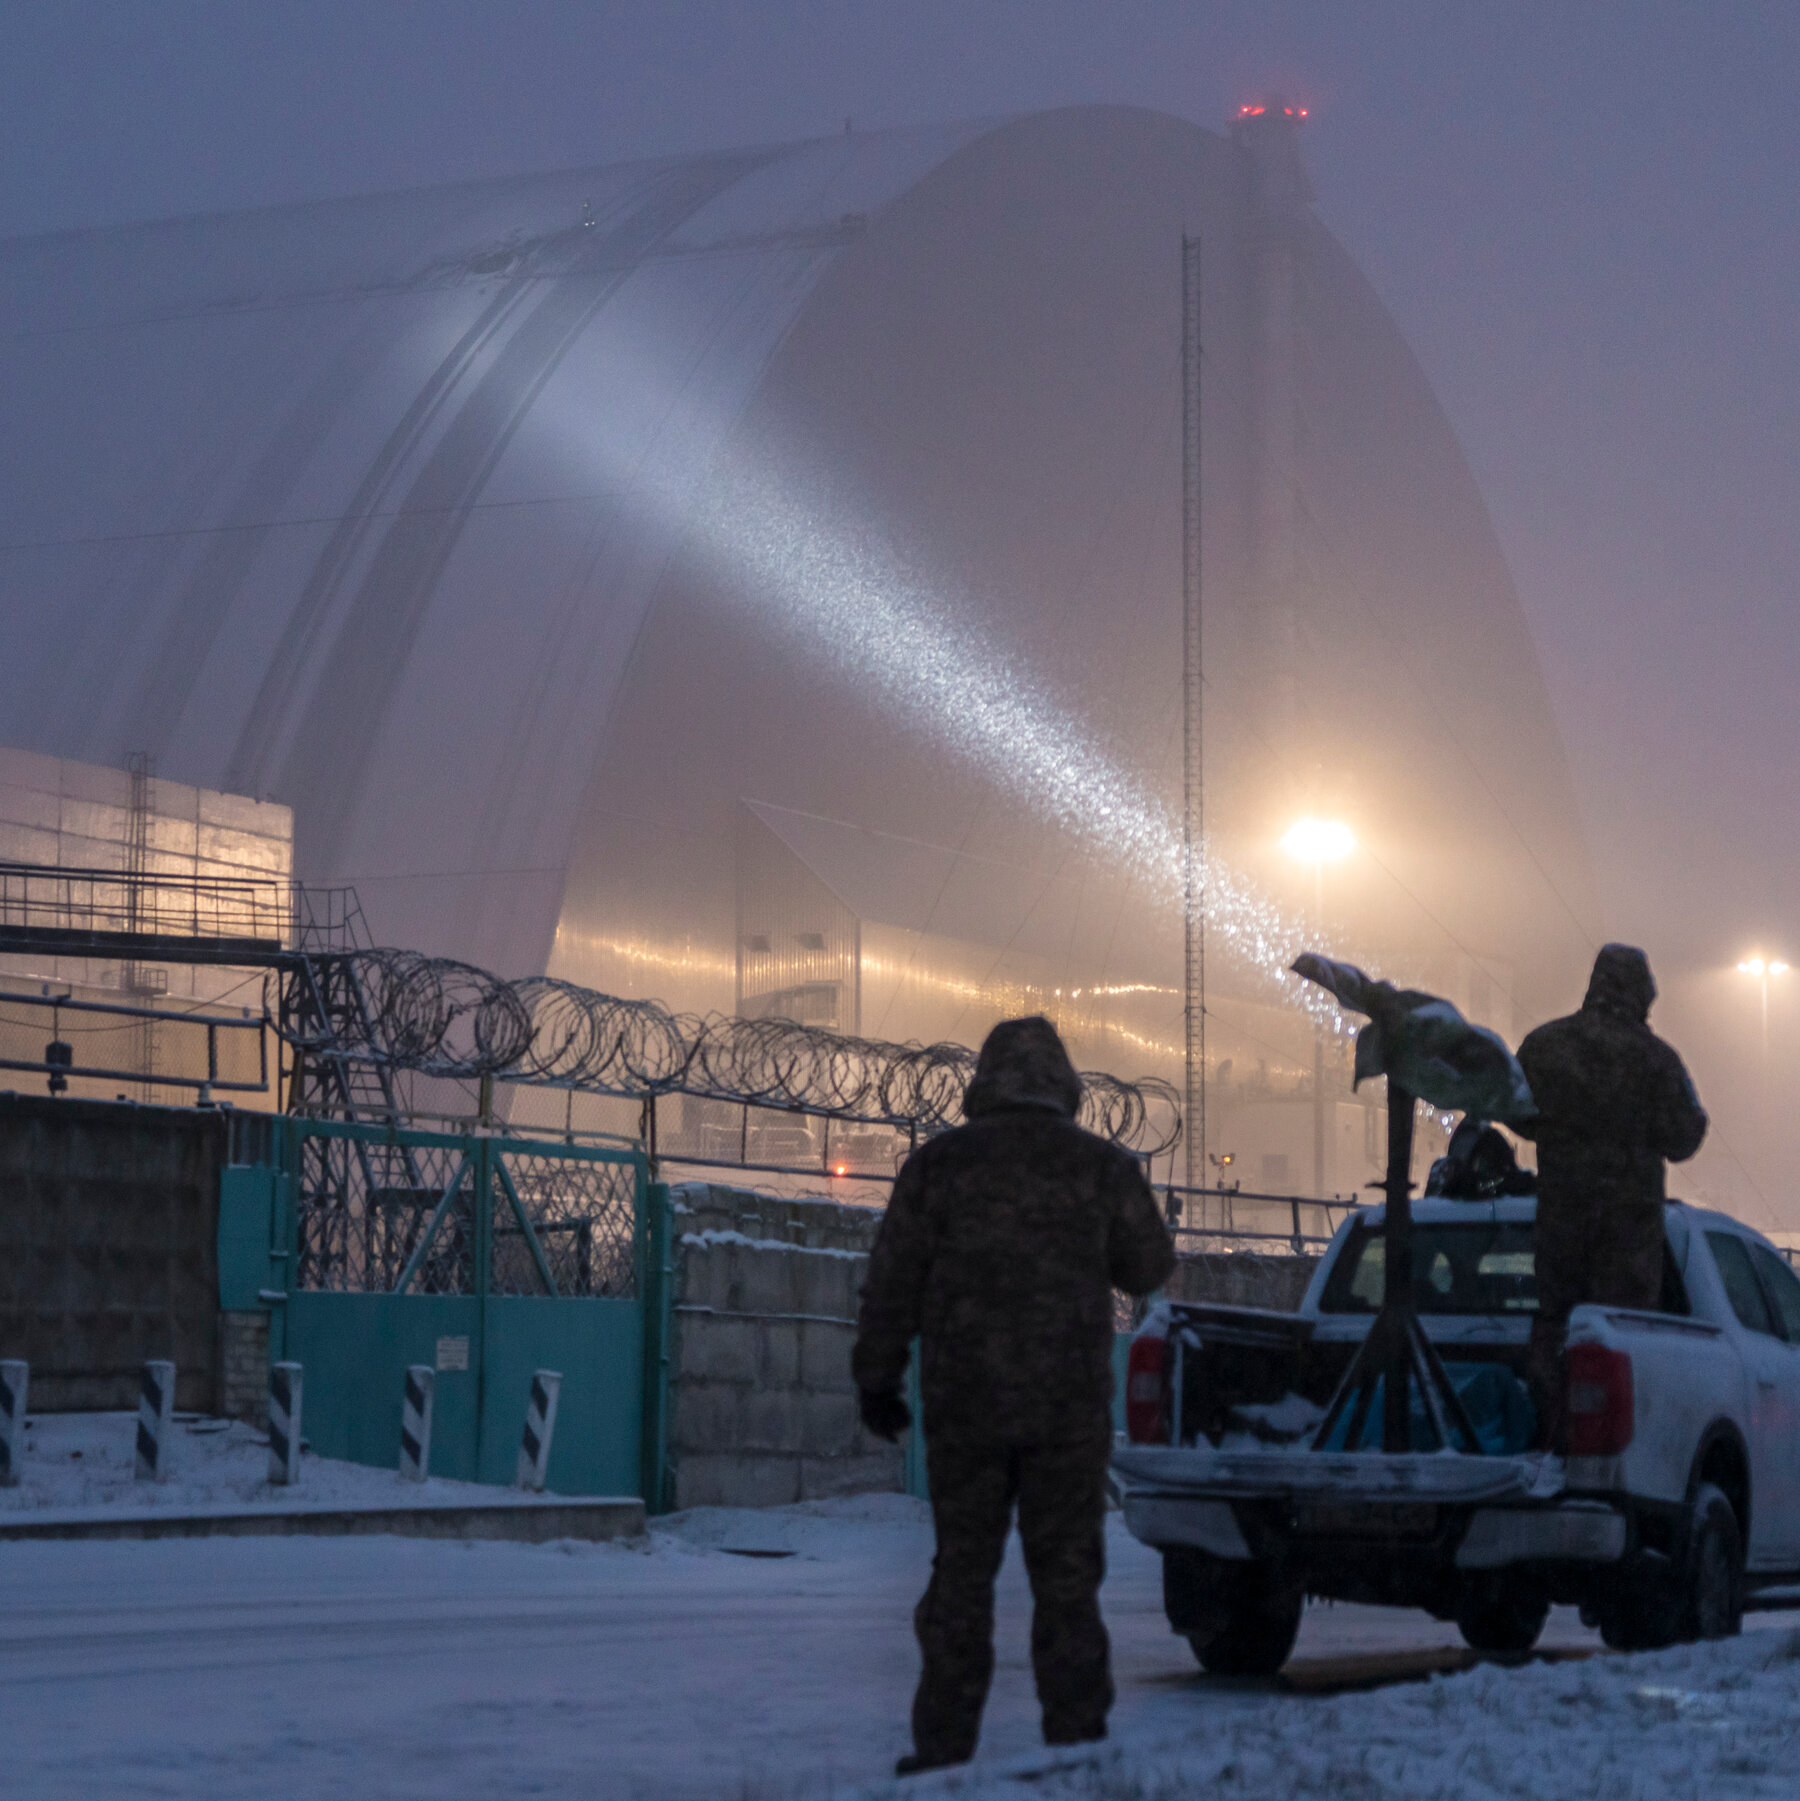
x: 1257, y: 112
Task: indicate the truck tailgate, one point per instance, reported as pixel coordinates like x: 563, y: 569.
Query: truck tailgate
x: 1436, y: 1476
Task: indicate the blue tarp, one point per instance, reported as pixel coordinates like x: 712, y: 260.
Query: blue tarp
x: 1498, y: 1404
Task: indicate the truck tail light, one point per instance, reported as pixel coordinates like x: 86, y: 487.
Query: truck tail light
x: 1601, y: 1400
x: 1144, y: 1391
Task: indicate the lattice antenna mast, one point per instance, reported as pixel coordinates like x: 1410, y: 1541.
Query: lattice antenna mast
x: 1193, y: 756
x: 140, y: 768
x: 134, y: 978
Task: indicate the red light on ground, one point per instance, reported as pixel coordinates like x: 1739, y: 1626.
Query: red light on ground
x: 843, y: 1169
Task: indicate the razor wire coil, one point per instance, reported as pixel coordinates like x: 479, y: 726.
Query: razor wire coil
x: 440, y: 1017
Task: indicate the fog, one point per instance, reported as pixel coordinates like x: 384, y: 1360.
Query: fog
x: 1580, y: 219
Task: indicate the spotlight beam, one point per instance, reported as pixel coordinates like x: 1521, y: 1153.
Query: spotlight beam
x: 843, y: 595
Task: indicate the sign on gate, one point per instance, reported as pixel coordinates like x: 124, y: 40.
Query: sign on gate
x: 484, y: 1258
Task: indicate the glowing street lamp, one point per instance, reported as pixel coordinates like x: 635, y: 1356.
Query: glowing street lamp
x: 1755, y: 966
x: 1764, y: 970
x: 1318, y: 841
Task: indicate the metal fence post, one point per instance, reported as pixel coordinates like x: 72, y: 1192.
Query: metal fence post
x: 656, y: 1295
x: 15, y: 1381
x: 284, y: 1223
x: 484, y: 1160
x: 540, y: 1427
x: 415, y: 1422
x: 156, y: 1411
x: 284, y: 1422
x: 284, y: 1255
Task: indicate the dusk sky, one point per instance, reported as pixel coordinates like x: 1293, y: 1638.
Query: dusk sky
x: 1581, y: 217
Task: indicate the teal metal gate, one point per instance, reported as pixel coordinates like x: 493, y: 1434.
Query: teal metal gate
x: 483, y: 1256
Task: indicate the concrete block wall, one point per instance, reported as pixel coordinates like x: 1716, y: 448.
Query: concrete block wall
x: 244, y: 1366
x: 109, y: 1232
x: 762, y: 1405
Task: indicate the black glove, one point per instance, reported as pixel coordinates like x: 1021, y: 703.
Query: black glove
x: 884, y: 1412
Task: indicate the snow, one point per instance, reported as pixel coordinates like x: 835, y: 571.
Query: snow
x: 1282, y: 1422
x: 867, y: 1526
x: 80, y: 1463
x: 723, y: 1236
x: 768, y: 1656
x: 1703, y: 1721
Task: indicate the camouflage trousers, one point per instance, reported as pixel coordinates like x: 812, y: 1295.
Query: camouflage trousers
x: 1604, y: 1251
x: 1060, y: 1493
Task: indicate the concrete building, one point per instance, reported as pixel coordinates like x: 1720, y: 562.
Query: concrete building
x: 754, y: 580
x: 89, y: 822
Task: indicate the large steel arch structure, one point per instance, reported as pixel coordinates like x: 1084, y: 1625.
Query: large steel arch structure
x: 594, y: 559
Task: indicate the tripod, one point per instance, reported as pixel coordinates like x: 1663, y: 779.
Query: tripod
x: 1396, y: 1352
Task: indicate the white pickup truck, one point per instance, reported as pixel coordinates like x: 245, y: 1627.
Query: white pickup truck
x: 1678, y: 1500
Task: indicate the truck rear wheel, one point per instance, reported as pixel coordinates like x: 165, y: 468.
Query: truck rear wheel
x: 1713, y: 1606
x: 1703, y: 1598
x: 1257, y: 1635
x: 1500, y: 1618
x: 1644, y: 1617
x: 1240, y: 1620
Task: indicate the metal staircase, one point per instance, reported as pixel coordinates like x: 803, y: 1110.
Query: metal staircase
x: 363, y: 1204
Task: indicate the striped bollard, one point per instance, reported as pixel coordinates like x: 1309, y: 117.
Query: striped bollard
x: 284, y: 1422
x: 415, y: 1422
x: 156, y: 1411
x: 15, y: 1379
x: 540, y: 1423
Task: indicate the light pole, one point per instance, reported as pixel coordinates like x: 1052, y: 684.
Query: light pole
x: 1318, y: 842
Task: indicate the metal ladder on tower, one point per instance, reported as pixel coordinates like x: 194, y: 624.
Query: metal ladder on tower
x: 326, y: 1014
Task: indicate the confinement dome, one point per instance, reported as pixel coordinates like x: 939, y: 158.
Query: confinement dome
x: 755, y: 579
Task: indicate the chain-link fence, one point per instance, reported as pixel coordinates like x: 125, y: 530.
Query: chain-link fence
x: 370, y: 1213
x: 393, y: 1211
x: 583, y: 1216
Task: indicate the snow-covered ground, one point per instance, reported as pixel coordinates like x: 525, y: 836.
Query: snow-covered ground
x: 1706, y: 1723
x: 80, y: 1462
x: 675, y: 1667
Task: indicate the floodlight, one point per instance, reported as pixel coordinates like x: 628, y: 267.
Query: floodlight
x: 1318, y: 840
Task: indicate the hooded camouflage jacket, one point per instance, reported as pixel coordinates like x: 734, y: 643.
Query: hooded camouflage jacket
x: 1000, y: 1250
x: 1613, y: 1100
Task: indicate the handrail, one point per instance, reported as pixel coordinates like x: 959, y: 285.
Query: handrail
x: 171, y: 911
x: 194, y: 1020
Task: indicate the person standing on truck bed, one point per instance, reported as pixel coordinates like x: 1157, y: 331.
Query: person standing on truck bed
x: 1613, y: 1102
x: 999, y: 1251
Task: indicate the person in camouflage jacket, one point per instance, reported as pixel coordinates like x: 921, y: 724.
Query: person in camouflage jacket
x: 1000, y: 1249
x: 1613, y: 1102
